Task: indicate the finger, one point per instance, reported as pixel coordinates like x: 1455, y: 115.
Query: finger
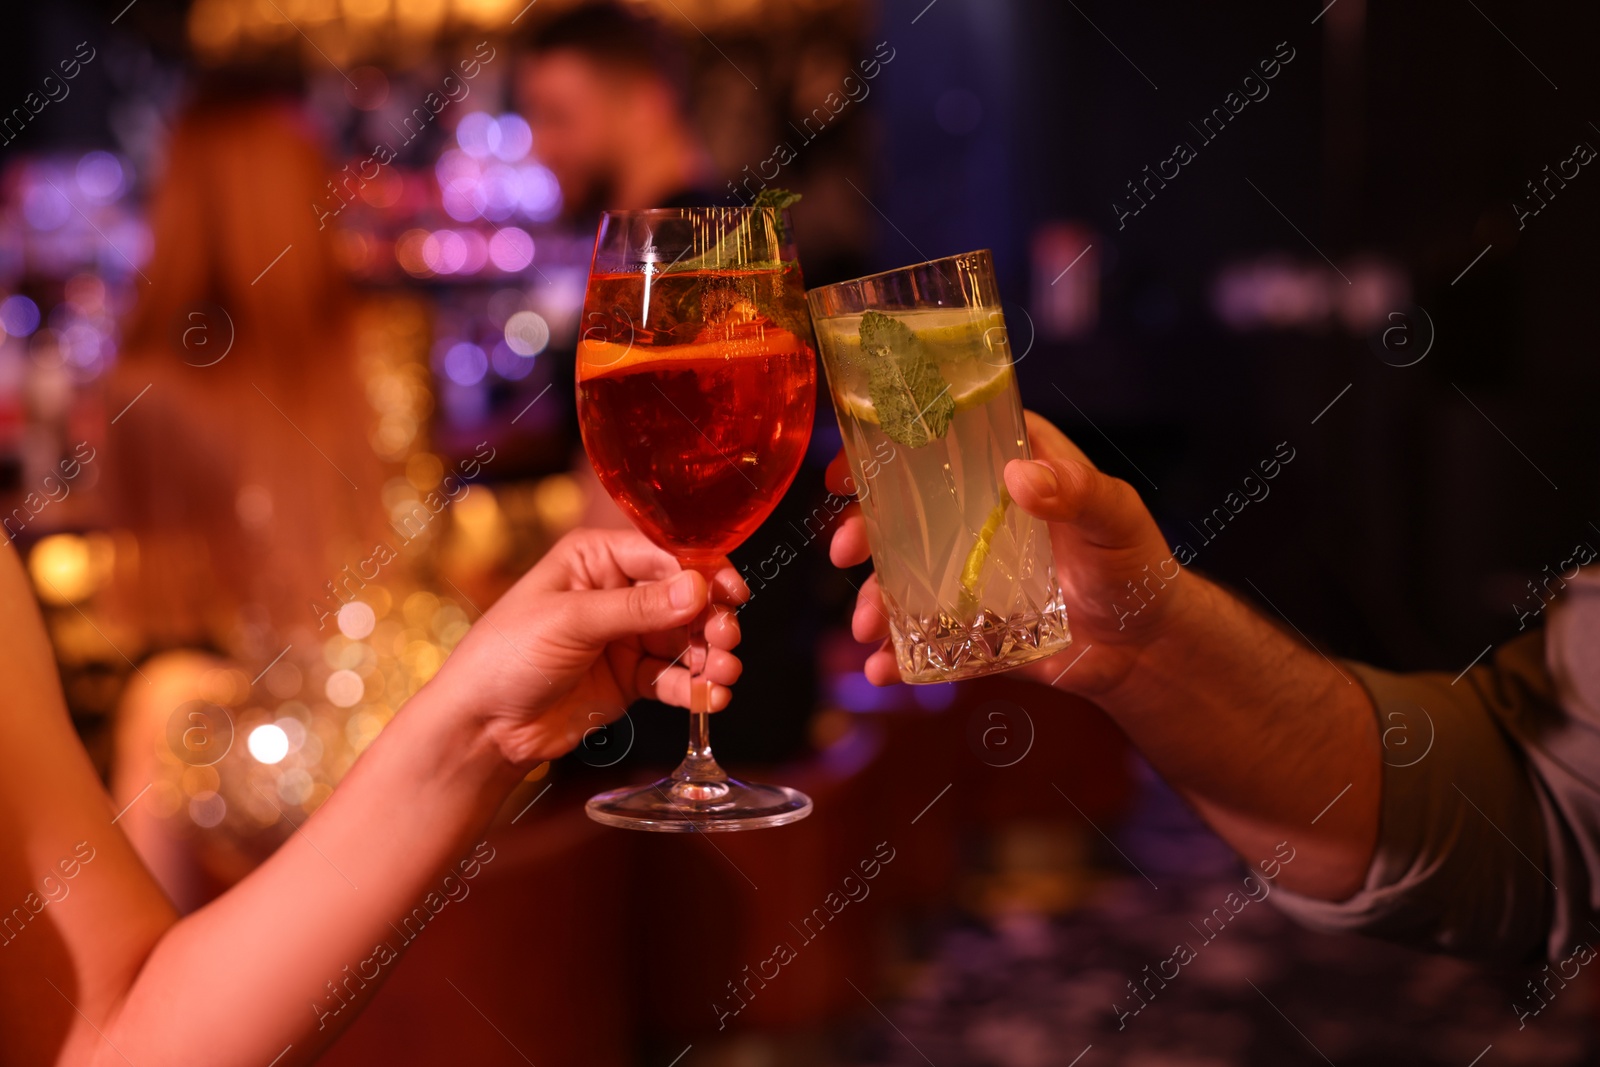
x: 882, y: 668
x: 670, y: 685
x: 1104, y: 511
x: 595, y: 617
x: 840, y: 478
x: 870, y: 622
x: 667, y: 644
x: 849, y: 545
x: 723, y: 668
x: 603, y: 559
x: 722, y: 629
x: 728, y: 586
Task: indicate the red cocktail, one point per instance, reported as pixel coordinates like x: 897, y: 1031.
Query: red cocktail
x: 696, y: 386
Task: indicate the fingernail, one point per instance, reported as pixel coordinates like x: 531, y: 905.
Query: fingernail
x: 1040, y: 479
x: 681, y: 591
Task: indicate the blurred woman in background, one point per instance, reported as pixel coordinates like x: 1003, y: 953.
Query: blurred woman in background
x: 242, y: 468
x: 247, y: 473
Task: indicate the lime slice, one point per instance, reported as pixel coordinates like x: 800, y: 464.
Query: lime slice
x: 981, y: 392
x: 965, y: 334
x: 972, y: 571
x: 967, y: 395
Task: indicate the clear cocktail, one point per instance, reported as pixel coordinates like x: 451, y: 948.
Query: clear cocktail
x: 920, y: 369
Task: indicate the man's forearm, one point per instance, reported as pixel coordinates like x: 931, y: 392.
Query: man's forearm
x: 243, y: 977
x: 1264, y: 736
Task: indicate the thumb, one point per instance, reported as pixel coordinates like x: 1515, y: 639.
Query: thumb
x: 1104, y: 511
x: 599, y: 616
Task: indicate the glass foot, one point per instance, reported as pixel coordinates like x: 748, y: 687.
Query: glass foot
x: 709, y: 804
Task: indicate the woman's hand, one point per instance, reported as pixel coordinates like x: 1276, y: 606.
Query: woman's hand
x: 1120, y: 580
x: 599, y: 622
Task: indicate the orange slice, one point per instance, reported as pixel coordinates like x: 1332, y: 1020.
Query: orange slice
x: 596, y: 358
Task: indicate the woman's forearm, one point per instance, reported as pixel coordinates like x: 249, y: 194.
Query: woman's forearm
x: 271, y: 964
x: 1269, y: 740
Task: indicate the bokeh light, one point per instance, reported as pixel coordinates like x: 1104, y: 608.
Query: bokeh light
x: 344, y: 689
x: 19, y: 315
x: 527, y: 333
x: 100, y: 176
x: 511, y: 249
x: 69, y: 568
x: 268, y: 743
x: 356, y: 620
x: 515, y: 139
x: 466, y: 364
x: 541, y: 193
x: 508, y: 364
x: 475, y: 132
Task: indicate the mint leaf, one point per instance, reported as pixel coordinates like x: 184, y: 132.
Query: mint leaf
x: 777, y: 200
x: 910, y: 396
x: 727, y: 252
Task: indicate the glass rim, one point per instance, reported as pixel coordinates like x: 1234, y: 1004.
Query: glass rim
x: 985, y: 252
x: 686, y: 212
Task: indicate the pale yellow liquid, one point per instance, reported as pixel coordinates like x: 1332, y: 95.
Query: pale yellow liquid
x: 968, y: 579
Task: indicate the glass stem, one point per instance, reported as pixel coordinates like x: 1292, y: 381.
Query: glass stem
x: 699, y: 694
x: 698, y: 777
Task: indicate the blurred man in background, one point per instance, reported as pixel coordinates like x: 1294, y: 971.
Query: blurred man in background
x: 606, y: 92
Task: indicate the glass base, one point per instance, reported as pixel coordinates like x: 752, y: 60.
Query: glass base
x: 680, y: 805
x: 944, y: 648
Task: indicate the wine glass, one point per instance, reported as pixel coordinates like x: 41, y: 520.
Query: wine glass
x: 696, y: 375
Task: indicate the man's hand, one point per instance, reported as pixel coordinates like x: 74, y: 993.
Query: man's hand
x: 600, y: 622
x: 1257, y: 731
x: 1118, y: 576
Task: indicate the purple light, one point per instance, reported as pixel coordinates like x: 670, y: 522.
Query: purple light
x: 81, y: 344
x: 459, y: 189
x: 511, y: 249
x: 516, y: 139
x: 477, y: 134
x: 454, y: 166
x: 463, y: 202
x: 853, y: 692
x: 19, y: 315
x: 100, y: 176
x: 45, y: 206
x: 502, y: 187
x: 127, y: 243
x: 541, y: 195
x: 508, y: 364
x: 465, y: 364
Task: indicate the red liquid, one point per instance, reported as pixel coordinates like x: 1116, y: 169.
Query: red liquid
x: 695, y: 441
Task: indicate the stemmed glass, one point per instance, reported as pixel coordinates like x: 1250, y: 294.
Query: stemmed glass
x: 696, y: 386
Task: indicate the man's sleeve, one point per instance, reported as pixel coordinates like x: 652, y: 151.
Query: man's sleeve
x: 1490, y: 814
